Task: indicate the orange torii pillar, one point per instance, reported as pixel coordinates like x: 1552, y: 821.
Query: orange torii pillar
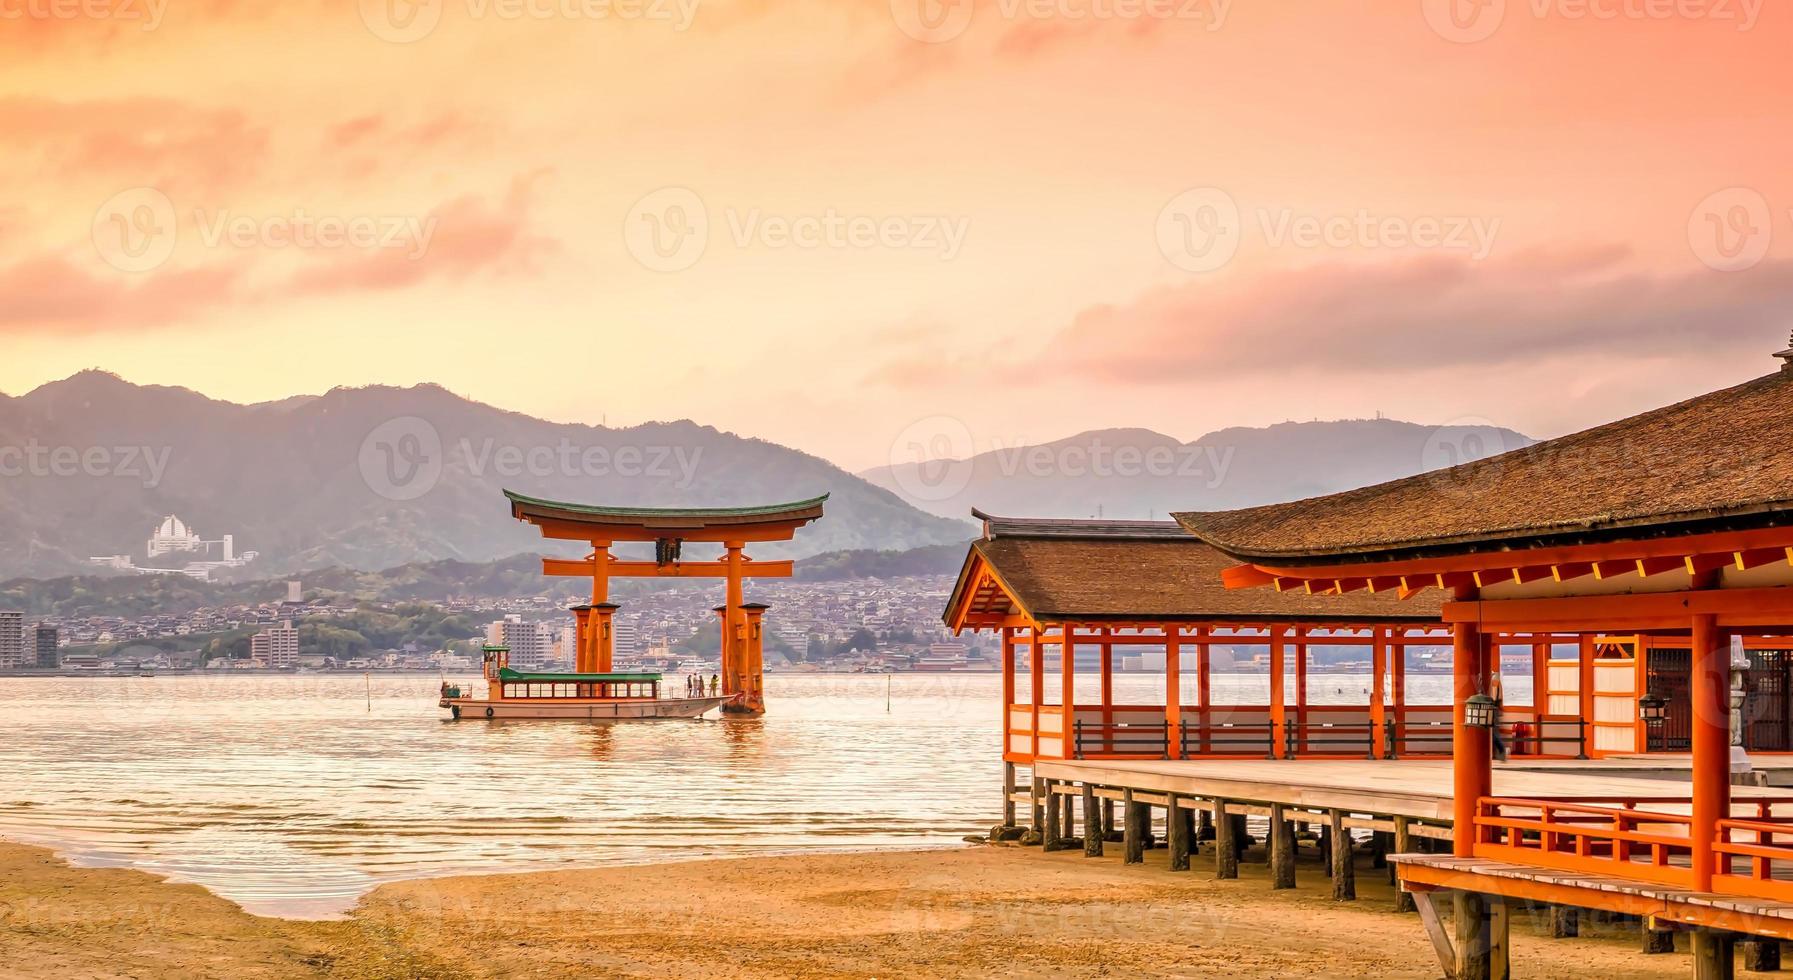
x: 753, y: 659
x: 581, y: 638
x: 603, y: 646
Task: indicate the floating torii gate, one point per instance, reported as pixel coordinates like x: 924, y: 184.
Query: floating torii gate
x: 669, y: 528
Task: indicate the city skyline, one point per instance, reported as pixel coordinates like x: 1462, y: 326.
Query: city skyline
x: 1266, y: 213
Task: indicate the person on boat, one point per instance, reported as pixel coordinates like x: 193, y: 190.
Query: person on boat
x: 714, y: 683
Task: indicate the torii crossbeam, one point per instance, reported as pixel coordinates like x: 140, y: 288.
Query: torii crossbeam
x: 669, y: 529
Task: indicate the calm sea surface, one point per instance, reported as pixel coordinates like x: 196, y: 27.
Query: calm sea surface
x: 293, y: 795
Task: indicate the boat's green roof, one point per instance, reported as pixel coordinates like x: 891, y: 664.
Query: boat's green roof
x: 757, y: 510
x: 507, y: 674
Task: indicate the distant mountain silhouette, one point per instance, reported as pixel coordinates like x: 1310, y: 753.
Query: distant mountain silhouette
x: 1138, y: 474
x: 370, y: 478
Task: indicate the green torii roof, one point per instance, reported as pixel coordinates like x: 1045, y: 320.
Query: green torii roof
x: 654, y: 513
x: 507, y: 674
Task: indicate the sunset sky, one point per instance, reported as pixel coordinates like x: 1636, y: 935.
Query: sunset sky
x: 840, y: 225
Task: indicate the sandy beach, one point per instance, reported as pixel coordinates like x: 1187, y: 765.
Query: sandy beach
x: 972, y: 912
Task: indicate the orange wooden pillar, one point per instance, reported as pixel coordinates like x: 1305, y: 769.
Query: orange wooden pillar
x: 1173, y: 691
x: 733, y: 621
x: 753, y: 656
x: 603, y: 646
x: 1300, y: 690
x: 1710, y: 697
x: 1471, y: 755
x: 1278, y: 710
x: 1378, y: 680
x: 1008, y: 683
x: 1397, y: 682
x: 1036, y: 682
x: 1203, y: 686
x: 581, y: 638
x: 1067, y: 662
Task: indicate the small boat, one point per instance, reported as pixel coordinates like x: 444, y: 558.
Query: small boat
x: 515, y: 695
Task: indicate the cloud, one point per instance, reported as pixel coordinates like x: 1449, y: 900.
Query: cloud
x: 135, y: 142
x: 1375, y: 319
x: 460, y: 239
x: 1424, y: 314
x: 53, y: 294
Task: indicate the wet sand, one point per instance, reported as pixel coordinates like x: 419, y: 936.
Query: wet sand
x: 972, y: 912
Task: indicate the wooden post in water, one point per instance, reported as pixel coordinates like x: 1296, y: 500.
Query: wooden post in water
x: 1092, y: 823
x: 1226, y: 849
x: 1109, y: 833
x: 1008, y: 794
x: 1070, y: 820
x: 1037, y: 790
x: 1176, y: 832
x: 1281, y: 848
x: 1403, y: 845
x: 1132, y: 827
x: 1344, y: 873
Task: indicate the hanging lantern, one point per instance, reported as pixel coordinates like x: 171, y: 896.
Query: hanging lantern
x: 1652, y: 709
x: 1479, y: 711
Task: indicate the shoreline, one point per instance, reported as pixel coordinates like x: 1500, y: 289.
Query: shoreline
x: 965, y: 911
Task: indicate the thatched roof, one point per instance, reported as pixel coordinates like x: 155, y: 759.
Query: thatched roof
x: 1139, y: 571
x: 1717, y: 462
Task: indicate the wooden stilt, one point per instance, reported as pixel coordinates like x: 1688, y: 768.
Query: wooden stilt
x: 1473, y: 937
x: 1226, y: 850
x: 1110, y: 832
x: 1204, y: 826
x: 1326, y: 848
x: 1344, y: 873
x: 1565, y: 922
x: 1133, y: 827
x: 1176, y: 832
x: 1008, y: 794
x: 1038, y: 791
x: 1713, y: 956
x: 1092, y: 823
x: 1403, y: 845
x: 1069, y: 821
x: 1241, y: 839
x: 1379, y: 850
x: 1282, y: 849
x: 1761, y: 955
x: 1054, y: 841
x: 1500, y: 948
x: 1656, y: 940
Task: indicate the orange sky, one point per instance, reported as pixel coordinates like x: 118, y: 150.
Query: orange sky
x: 797, y: 221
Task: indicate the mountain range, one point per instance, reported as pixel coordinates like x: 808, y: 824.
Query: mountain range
x: 369, y: 478
x: 377, y: 477
x: 1139, y: 474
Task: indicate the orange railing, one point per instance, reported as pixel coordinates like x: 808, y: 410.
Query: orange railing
x: 1642, y: 838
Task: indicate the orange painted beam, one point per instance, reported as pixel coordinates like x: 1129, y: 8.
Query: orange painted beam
x: 1620, y: 611
x: 678, y: 569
